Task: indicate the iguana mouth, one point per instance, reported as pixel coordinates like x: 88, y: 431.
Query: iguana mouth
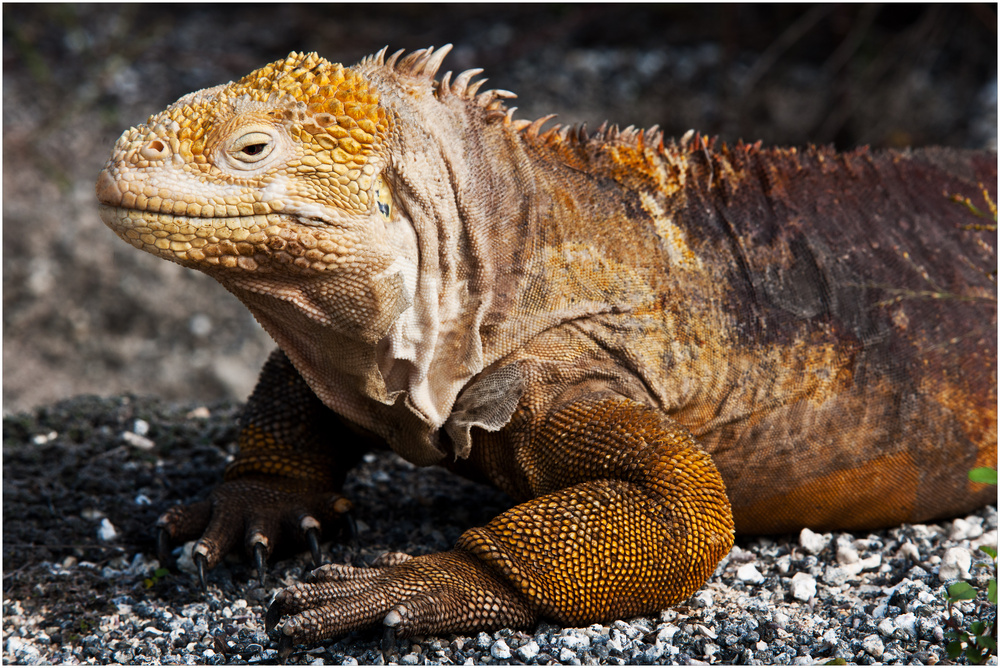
x: 225, y: 241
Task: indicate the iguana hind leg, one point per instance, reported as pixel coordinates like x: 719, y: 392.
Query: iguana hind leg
x: 630, y: 516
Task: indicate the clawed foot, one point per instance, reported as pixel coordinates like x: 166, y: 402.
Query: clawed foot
x: 439, y: 593
x: 261, y: 513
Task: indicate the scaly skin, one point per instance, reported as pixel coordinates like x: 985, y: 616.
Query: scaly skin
x: 647, y: 345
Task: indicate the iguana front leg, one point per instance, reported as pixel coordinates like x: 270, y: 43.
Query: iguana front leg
x: 628, y: 516
x: 294, y: 453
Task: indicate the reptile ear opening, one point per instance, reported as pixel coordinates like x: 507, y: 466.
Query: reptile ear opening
x: 383, y: 198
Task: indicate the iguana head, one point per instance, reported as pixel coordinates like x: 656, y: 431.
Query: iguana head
x: 328, y: 200
x: 277, y: 173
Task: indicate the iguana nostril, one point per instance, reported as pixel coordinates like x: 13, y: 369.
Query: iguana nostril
x: 154, y: 150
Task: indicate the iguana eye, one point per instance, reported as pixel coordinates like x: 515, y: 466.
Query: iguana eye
x: 383, y: 199
x: 252, y: 147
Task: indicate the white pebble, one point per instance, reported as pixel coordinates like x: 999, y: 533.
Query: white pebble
x: 909, y: 551
x: 42, y: 439
x: 410, y: 659
x: 955, y: 564
x: 749, y: 573
x: 813, y: 542
x: 107, y: 531
x: 963, y: 529
x: 136, y: 441
x: 528, y: 651
x: 886, y: 627
x: 707, y: 632
x: 500, y: 650
x: 907, y: 623
x: 803, y: 586
x: 566, y: 655
x: 846, y: 555
x: 873, y: 646
x: 988, y: 538
x: 202, y: 413
x: 703, y: 599
x: 666, y: 633
x: 575, y: 642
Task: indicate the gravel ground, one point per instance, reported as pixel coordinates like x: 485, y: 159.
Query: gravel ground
x: 84, y: 480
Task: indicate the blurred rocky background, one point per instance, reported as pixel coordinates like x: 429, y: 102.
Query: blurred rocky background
x: 85, y: 313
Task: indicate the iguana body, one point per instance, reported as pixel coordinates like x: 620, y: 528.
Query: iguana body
x: 647, y: 345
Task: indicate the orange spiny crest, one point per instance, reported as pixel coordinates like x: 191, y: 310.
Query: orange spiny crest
x: 332, y: 94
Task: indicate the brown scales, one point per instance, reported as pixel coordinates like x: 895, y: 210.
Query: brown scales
x: 648, y: 344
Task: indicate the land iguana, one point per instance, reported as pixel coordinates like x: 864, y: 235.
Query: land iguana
x: 649, y: 344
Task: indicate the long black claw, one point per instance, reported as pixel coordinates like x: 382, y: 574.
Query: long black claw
x: 201, y: 563
x: 163, y: 546
x: 389, y: 639
x: 260, y: 561
x: 274, y: 613
x: 284, y: 648
x: 312, y: 536
x: 350, y: 527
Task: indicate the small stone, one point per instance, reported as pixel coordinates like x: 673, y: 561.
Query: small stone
x: 813, y: 542
x: 964, y: 530
x: 575, y: 642
x: 846, y: 554
x: 107, y: 531
x: 566, y: 655
x: 138, y: 442
x: 749, y: 573
x: 483, y: 641
x: 988, y: 538
x: 42, y: 439
x: 955, y: 564
x: 410, y: 659
x: 200, y: 413
x: 528, y: 651
x: 500, y: 650
x: 907, y: 624
x: 909, y: 551
x: 702, y: 599
x: 873, y: 646
x: 886, y: 627
x: 666, y: 633
x: 803, y: 586
x: 631, y: 632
